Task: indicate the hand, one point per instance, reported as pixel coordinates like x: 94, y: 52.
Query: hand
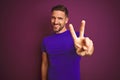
x: 83, y: 45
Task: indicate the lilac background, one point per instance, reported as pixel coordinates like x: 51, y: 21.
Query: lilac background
x: 23, y: 24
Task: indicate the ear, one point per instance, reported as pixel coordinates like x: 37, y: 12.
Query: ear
x: 67, y: 19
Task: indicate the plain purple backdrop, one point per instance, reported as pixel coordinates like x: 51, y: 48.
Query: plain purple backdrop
x: 24, y: 23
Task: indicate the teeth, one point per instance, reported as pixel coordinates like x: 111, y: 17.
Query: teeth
x: 56, y: 25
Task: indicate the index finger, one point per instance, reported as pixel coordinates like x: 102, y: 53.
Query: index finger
x: 82, y: 28
x: 72, y: 31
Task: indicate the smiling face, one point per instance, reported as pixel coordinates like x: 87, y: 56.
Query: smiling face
x: 58, y: 21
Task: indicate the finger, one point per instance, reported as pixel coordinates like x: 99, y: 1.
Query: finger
x: 85, y: 47
x: 82, y: 53
x: 78, y: 46
x: 72, y: 31
x: 82, y: 28
x: 88, y: 42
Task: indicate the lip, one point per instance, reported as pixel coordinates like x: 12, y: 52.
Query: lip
x: 55, y: 26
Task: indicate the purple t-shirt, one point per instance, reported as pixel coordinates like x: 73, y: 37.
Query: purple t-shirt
x: 64, y: 63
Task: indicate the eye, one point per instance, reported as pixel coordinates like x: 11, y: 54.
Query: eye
x: 52, y: 17
x: 60, y: 18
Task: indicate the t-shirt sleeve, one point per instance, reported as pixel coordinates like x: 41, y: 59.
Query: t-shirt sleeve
x: 43, y: 46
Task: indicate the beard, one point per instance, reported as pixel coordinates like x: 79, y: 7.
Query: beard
x: 58, y: 28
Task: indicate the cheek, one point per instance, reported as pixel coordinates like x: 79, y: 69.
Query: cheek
x: 52, y: 22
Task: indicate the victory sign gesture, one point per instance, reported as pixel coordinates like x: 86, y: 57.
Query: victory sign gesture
x: 83, y: 45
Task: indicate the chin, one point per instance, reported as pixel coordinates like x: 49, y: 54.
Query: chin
x: 56, y: 31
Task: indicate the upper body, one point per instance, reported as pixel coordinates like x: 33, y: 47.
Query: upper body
x: 64, y: 63
x: 62, y: 51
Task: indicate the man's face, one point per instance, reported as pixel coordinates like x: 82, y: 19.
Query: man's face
x: 58, y: 21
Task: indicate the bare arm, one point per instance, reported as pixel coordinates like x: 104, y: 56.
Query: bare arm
x: 44, y: 66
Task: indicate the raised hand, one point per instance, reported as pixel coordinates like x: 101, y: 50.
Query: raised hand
x: 83, y: 45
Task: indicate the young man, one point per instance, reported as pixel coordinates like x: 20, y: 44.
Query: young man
x: 62, y: 51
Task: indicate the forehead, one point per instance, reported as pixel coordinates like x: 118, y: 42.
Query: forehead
x: 58, y: 13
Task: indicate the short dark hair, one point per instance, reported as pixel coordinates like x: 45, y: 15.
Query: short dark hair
x: 61, y: 8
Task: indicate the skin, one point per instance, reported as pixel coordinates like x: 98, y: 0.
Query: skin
x: 58, y: 21
x: 83, y: 45
x: 44, y: 66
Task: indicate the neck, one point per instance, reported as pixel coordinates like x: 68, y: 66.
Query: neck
x: 63, y: 30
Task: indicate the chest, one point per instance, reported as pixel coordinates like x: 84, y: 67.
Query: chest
x: 60, y: 45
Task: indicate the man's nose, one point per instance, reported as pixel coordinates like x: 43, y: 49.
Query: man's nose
x: 56, y: 21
